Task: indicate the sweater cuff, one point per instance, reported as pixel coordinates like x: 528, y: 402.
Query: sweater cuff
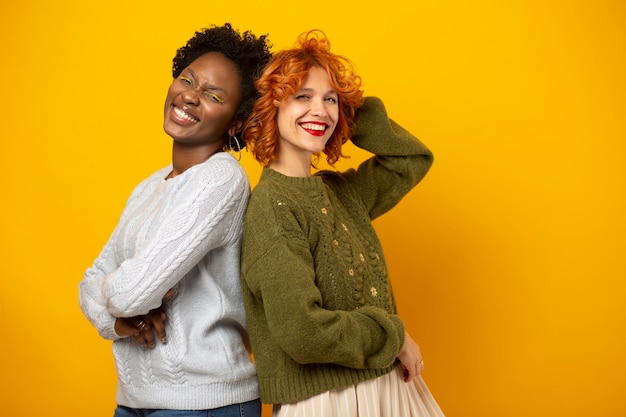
x: 391, y: 337
x: 106, y: 328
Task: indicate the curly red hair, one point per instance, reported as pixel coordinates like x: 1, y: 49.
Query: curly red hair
x: 285, y: 75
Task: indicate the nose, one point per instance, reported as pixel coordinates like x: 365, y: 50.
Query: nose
x: 318, y: 107
x: 191, y: 96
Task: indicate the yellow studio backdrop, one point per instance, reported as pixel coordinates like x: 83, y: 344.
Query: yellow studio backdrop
x: 508, y: 261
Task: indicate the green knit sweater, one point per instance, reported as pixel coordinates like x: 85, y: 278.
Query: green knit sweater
x: 320, y: 308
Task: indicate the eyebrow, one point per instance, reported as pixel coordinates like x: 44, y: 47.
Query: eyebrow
x: 209, y: 87
x: 328, y: 92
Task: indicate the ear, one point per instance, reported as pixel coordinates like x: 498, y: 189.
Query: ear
x: 276, y: 103
x: 235, y: 128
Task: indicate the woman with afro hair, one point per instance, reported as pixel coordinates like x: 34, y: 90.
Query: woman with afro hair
x: 166, y: 286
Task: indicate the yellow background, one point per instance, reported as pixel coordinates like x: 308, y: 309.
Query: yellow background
x: 508, y: 260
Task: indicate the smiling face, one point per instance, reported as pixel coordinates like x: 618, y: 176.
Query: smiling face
x: 307, y: 119
x: 202, y: 102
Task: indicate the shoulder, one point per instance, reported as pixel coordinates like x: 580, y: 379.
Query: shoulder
x: 275, y: 190
x: 221, y: 170
x: 263, y: 199
x: 338, y: 182
x: 332, y: 177
x: 275, y: 204
x: 153, y: 179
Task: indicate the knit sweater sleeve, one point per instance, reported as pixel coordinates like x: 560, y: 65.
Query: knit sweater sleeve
x: 205, y: 213
x: 281, y: 292
x: 399, y: 163
x: 91, y: 300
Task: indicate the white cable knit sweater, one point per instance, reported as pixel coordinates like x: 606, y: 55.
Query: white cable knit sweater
x: 182, y: 234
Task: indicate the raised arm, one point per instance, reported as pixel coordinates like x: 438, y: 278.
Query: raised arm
x: 399, y: 163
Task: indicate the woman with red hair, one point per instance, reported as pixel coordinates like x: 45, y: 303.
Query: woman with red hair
x: 325, y: 332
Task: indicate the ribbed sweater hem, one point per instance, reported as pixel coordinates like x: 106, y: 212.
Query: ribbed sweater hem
x: 295, y: 387
x: 188, y: 397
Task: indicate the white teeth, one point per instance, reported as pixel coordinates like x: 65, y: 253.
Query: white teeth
x: 184, y: 115
x: 313, y: 126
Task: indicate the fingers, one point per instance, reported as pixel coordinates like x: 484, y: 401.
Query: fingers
x: 412, y: 371
x: 144, y: 328
x: 145, y: 335
x: 125, y: 327
x: 408, y: 376
x: 142, y: 325
x: 411, y: 358
x: 135, y: 327
x: 157, y: 318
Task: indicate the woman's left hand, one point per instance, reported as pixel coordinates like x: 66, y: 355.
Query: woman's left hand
x: 142, y: 328
x: 411, y: 358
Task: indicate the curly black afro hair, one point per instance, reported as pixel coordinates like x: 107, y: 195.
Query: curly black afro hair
x: 249, y: 53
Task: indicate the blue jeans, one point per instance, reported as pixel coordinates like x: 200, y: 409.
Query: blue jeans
x: 247, y: 409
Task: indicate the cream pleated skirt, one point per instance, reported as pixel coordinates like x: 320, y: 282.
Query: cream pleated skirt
x: 385, y: 396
